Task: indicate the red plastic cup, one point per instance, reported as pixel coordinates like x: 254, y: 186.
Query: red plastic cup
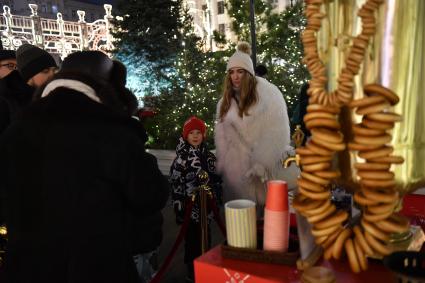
x: 277, y: 195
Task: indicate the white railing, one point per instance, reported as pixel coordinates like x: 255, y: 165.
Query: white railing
x: 56, y: 36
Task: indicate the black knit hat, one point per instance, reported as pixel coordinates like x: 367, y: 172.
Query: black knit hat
x: 7, y: 54
x: 92, y: 63
x: 31, y: 60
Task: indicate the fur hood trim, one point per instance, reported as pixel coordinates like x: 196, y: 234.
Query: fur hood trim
x: 71, y: 84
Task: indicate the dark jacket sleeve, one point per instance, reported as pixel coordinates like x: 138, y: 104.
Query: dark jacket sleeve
x: 178, y: 187
x: 4, y: 115
x: 146, y: 188
x: 177, y: 180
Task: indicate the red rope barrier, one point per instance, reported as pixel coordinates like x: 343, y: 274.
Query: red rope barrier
x: 158, y: 276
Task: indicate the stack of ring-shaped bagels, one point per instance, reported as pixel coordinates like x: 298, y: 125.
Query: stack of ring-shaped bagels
x: 377, y: 196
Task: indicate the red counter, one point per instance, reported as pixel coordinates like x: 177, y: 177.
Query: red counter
x: 213, y: 268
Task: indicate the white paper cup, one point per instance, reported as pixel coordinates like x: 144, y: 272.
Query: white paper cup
x: 241, y: 223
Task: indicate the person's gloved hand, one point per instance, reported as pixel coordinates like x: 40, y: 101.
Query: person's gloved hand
x: 179, y: 211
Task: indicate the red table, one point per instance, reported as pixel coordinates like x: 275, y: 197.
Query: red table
x: 213, y: 268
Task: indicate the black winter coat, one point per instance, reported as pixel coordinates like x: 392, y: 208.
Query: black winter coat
x: 15, y: 95
x: 73, y: 175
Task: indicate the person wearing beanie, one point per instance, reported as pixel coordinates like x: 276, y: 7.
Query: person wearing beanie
x: 192, y: 158
x: 7, y: 62
x: 252, y: 133
x: 35, y: 65
x: 98, y: 65
x: 15, y: 94
x: 76, y: 181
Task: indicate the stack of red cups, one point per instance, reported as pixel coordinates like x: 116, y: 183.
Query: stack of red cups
x: 276, y: 217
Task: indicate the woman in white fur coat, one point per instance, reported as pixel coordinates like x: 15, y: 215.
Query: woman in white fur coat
x: 252, y: 133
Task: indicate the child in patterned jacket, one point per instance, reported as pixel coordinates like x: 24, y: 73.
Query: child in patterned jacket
x: 192, y: 157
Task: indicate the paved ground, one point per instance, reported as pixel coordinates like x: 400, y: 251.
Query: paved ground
x: 177, y: 270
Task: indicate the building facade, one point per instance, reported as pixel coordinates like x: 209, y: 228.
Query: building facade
x: 56, y: 35
x: 50, y: 8
x: 211, y: 15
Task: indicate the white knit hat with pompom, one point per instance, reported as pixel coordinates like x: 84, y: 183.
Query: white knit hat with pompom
x: 241, y: 58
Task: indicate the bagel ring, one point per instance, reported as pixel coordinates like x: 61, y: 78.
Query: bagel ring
x: 314, y: 178
x: 335, y: 219
x: 323, y: 122
x: 366, y: 101
x: 321, y: 108
x: 375, y: 108
x: 374, y: 231
x: 316, y: 167
x: 306, y: 204
x: 376, y: 175
x: 358, y: 129
x: 388, y: 159
x: 376, y: 245
x: 362, y: 200
x: 372, y: 166
x: 358, y: 146
x: 372, y: 89
x: 339, y: 242
x: 386, y: 117
x: 377, y: 125
x: 387, y: 196
x: 322, y: 215
x: 374, y: 153
x: 377, y: 140
x: 394, y: 224
x: 314, y: 159
x: 327, y: 135
x: 317, y: 149
x: 362, y: 240
x: 360, y: 255
x: 328, y: 145
x: 352, y: 256
x: 314, y: 195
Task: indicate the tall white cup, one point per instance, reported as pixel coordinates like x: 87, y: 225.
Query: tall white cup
x: 241, y: 223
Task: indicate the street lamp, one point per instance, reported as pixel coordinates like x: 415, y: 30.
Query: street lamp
x: 253, y: 39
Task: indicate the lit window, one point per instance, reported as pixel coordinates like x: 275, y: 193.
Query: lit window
x: 221, y: 28
x: 220, y: 7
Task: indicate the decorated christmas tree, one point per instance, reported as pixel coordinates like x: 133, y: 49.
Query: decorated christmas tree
x: 192, y: 85
x: 195, y: 88
x: 147, y: 39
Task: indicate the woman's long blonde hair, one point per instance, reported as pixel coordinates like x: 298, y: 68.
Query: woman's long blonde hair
x: 248, y: 94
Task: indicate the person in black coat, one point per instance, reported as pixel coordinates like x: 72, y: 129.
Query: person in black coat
x: 73, y: 175
x: 15, y: 95
x: 14, y: 92
x: 34, y: 68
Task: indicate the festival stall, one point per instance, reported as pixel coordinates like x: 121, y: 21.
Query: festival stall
x: 357, y: 213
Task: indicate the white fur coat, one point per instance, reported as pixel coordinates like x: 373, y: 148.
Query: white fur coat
x: 250, y: 149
